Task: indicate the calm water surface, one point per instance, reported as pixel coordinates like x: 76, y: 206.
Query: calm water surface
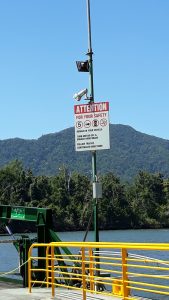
x: 136, y: 236
x: 9, y: 256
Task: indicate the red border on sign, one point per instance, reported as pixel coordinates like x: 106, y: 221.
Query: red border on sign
x: 91, y: 108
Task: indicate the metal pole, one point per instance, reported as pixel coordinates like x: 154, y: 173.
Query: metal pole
x: 91, y: 95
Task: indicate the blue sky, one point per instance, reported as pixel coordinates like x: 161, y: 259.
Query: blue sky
x: 40, y: 41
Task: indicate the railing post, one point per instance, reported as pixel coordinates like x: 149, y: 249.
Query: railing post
x: 53, y: 270
x: 47, y: 266
x: 29, y: 270
x: 124, y: 273
x: 91, y: 271
x: 83, y: 274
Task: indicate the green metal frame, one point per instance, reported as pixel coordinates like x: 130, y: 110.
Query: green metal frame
x: 45, y: 234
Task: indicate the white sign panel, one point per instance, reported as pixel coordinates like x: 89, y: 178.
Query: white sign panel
x: 92, y: 126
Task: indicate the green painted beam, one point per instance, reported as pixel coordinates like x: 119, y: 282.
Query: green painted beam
x: 24, y: 213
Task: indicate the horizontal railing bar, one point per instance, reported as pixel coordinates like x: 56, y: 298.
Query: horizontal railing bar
x: 148, y: 260
x: 148, y: 275
x: 147, y: 284
x: 8, y: 241
x: 149, y: 290
x: 107, y: 245
x: 147, y: 267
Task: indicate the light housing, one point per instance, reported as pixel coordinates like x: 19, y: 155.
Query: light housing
x: 82, y: 66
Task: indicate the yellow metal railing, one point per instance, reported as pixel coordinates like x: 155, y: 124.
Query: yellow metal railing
x: 127, y: 271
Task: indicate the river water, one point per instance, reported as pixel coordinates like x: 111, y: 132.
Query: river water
x: 9, y: 255
x: 9, y: 259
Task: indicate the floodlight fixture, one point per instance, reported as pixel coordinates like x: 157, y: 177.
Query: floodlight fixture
x: 82, y: 66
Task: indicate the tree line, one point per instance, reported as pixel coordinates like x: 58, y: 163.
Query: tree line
x: 142, y: 203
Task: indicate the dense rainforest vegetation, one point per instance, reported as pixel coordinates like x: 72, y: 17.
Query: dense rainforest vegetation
x: 143, y: 203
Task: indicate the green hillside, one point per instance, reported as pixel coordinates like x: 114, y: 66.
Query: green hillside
x: 130, y: 152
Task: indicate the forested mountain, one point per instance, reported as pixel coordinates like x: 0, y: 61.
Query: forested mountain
x: 131, y: 151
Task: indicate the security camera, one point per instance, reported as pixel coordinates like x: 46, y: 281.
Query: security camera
x: 80, y: 94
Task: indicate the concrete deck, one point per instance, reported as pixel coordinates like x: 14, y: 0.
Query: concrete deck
x: 9, y: 291
x: 45, y: 294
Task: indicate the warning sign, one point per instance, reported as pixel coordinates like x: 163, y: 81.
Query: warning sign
x: 92, y: 126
